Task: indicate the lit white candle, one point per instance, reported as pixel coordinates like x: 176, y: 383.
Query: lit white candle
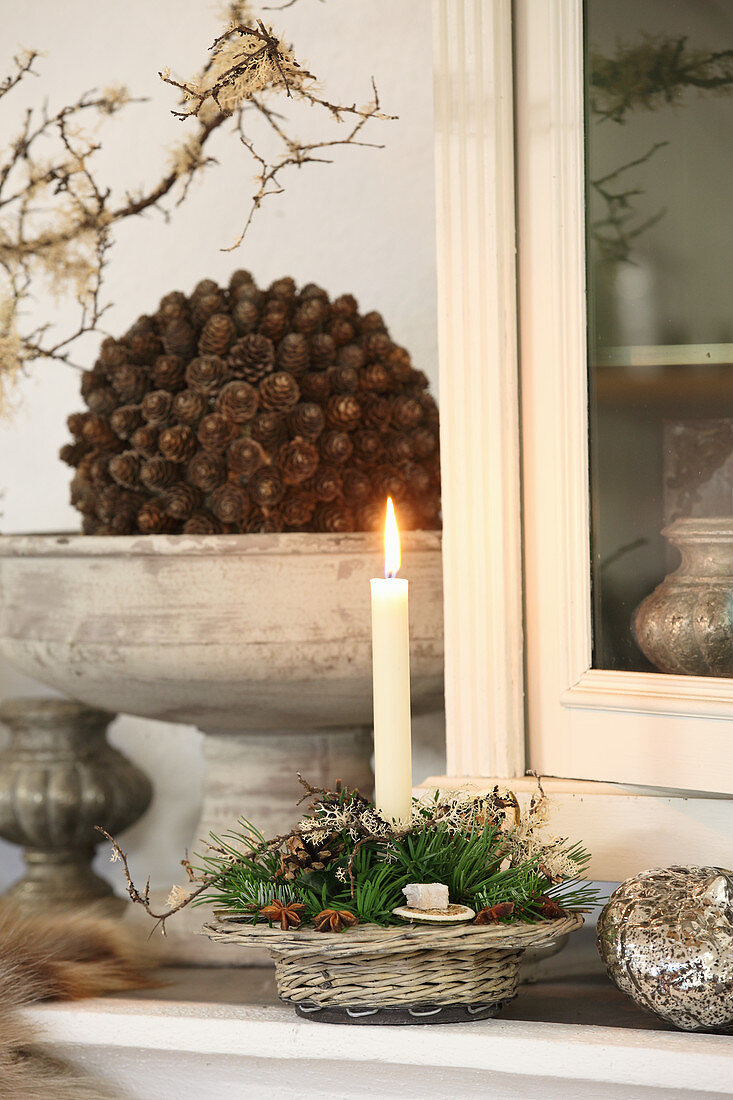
x: 391, y: 683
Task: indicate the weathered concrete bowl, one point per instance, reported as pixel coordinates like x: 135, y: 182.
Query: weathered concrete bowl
x: 232, y: 631
x: 257, y: 639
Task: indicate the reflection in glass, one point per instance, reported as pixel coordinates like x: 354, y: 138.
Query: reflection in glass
x: 659, y: 165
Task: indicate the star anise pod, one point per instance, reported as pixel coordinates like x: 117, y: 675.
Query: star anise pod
x: 288, y: 915
x: 334, y: 920
x: 493, y: 914
x: 549, y: 909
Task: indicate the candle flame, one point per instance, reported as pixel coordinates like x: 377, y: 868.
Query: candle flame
x: 392, y: 557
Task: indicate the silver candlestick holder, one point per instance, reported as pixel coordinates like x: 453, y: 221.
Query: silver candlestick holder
x: 59, y: 778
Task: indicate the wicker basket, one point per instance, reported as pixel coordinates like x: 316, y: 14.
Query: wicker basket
x: 408, y: 974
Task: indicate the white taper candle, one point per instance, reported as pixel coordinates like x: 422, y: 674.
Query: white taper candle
x: 391, y: 684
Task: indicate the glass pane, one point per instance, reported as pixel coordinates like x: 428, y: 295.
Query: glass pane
x: 659, y: 161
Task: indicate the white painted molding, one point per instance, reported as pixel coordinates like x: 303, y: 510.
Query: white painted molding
x: 478, y: 385
x: 626, y: 829
x: 656, y: 693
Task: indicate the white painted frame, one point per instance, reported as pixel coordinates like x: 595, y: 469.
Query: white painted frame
x: 653, y: 729
x: 631, y: 728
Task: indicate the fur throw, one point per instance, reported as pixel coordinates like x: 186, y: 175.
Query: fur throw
x: 62, y: 956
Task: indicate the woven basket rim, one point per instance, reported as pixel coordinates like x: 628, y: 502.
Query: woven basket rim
x: 374, y: 937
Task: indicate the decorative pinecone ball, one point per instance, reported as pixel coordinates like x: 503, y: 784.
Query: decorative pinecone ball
x: 239, y: 410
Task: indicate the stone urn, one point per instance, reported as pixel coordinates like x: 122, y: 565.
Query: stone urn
x: 262, y: 641
x: 686, y: 625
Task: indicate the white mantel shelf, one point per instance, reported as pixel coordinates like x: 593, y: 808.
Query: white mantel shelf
x: 212, y: 1033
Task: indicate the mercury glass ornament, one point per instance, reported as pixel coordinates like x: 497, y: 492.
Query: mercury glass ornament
x: 666, y: 937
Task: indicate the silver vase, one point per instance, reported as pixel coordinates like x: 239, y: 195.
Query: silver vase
x: 686, y: 625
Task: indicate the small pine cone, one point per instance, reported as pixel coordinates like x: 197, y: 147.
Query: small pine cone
x: 177, y: 443
x: 293, y: 353
x: 97, y: 432
x: 399, y: 448
x: 206, y: 471
x: 298, y: 461
x: 181, y: 501
x: 245, y: 315
x: 240, y: 278
x: 108, y: 502
x: 406, y: 412
x: 298, y: 507
x: 430, y: 409
x: 409, y: 517
x: 418, y: 380
x: 205, y: 374
x: 351, y: 355
x: 244, y: 456
x: 274, y: 321
x: 84, y: 469
x: 313, y: 290
x: 370, y: 517
x: 252, y: 358
x: 425, y: 442
x: 372, y: 322
x: 172, y: 312
x: 91, y: 380
x: 125, y: 469
x: 204, y: 306
x: 179, y: 338
x: 307, y: 420
x: 343, y: 412
x: 328, y: 484
x: 99, y: 473
x: 400, y: 366
x: 112, y: 354
x: 130, y: 383
x: 157, y: 474
x: 282, y: 288
x: 72, y: 453
x: 152, y: 520
x: 389, y: 482
x: 279, y: 392
x: 270, y: 429
x: 342, y: 331
x: 124, y: 420
x: 144, y: 348
x: 123, y: 510
x: 375, y: 378
x: 310, y: 315
x: 376, y: 412
x: 369, y: 446
x: 254, y: 522
x: 145, y: 440
x: 173, y: 302
x: 189, y: 406
x: 323, y: 351
x: 217, y: 336
x: 337, y: 518
x: 169, y: 373
x: 336, y: 447
x: 215, y: 432
x: 377, y: 346
x: 344, y: 379
x: 315, y: 386
x: 83, y: 496
x: 345, y: 305
x: 202, y: 523
x: 272, y: 521
x: 266, y: 487
x: 251, y: 294
x: 357, y: 487
x: 229, y: 504
x: 237, y: 401
x: 102, y: 401
x: 75, y: 423
x: 417, y: 478
x: 157, y: 406
x: 204, y: 287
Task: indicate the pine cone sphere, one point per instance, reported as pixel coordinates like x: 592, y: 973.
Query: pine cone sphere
x: 243, y: 410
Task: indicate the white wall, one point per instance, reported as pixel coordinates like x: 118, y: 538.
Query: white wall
x: 364, y: 224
